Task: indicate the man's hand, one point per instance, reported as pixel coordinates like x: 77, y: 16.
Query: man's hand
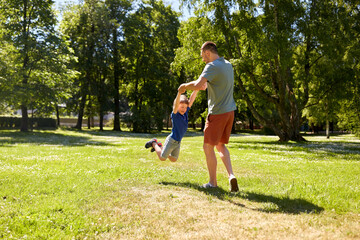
x: 182, y: 88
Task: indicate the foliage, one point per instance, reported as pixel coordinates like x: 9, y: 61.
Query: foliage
x: 349, y: 111
x: 35, y: 68
x: 282, y: 52
x: 295, y: 61
x: 188, y: 63
x: 150, y: 40
x: 81, y: 29
x: 113, y: 59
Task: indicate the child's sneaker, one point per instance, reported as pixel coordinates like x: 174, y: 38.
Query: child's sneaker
x: 149, y: 143
x: 159, y: 144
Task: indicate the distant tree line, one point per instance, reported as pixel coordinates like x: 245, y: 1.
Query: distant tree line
x: 296, y: 62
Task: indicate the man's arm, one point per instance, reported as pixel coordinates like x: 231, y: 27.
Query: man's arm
x: 176, y: 103
x: 194, y: 85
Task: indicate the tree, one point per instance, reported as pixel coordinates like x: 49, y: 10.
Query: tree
x: 7, y: 68
x: 336, y: 68
x: 274, y: 47
x: 150, y: 40
x: 118, y: 12
x: 349, y: 112
x: 35, y: 50
x: 94, y: 30
x: 81, y: 30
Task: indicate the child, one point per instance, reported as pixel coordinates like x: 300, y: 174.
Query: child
x: 179, y: 119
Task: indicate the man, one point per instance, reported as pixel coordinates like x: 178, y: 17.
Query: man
x: 218, y: 74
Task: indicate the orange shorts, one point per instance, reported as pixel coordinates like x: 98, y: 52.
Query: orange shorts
x: 218, y: 128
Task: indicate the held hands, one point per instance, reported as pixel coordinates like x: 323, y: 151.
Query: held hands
x: 182, y: 88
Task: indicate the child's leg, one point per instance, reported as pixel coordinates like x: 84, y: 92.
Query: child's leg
x: 158, y: 151
x: 175, y: 153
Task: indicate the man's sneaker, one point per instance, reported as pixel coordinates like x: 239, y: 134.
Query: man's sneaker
x: 159, y: 144
x: 233, y: 184
x: 149, y: 143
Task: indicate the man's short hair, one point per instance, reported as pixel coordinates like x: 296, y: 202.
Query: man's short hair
x: 210, y: 46
x: 183, y: 99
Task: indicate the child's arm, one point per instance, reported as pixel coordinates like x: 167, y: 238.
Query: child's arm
x: 192, y: 97
x: 194, y: 94
x: 176, y: 103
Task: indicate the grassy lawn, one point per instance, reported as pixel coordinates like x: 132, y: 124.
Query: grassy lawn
x: 104, y: 185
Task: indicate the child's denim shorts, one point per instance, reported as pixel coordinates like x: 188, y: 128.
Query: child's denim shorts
x: 171, y: 147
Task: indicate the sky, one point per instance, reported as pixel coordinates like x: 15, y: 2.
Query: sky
x: 175, y: 5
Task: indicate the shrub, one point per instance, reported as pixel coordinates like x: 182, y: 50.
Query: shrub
x: 36, y: 123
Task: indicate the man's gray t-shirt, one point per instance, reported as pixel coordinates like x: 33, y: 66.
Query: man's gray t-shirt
x: 220, y: 77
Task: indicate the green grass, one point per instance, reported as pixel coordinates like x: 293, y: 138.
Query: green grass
x: 105, y: 185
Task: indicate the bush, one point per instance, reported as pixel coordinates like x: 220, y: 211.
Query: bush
x: 10, y: 122
x: 36, y: 123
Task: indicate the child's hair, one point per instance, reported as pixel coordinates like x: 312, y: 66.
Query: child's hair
x: 183, y: 99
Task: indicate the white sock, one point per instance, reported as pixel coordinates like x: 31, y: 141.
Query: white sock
x: 231, y: 176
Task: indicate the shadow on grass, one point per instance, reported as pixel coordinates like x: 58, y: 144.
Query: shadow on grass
x: 73, y: 138
x: 271, y: 203
x: 112, y: 133
x: 333, y: 149
x: 9, y: 138
x: 162, y: 134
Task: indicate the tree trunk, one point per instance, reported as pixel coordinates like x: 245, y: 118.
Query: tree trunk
x: 136, y: 111
x: 289, y: 135
x: 287, y: 129
x: 251, y: 124
x: 32, y: 120
x: 116, y: 82
x: 327, y: 128
x: 81, y: 113
x: 167, y: 120
x: 90, y: 117
x: 57, y: 114
x: 86, y: 84
x: 327, y: 119
x: 101, y: 121
x: 24, y: 119
x: 101, y: 98
x: 233, y: 128
x: 202, y: 124
x: 24, y: 113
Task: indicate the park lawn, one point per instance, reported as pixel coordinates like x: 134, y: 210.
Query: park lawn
x: 67, y: 184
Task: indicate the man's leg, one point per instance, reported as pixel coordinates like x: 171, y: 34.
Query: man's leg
x: 225, y: 157
x: 211, y: 163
